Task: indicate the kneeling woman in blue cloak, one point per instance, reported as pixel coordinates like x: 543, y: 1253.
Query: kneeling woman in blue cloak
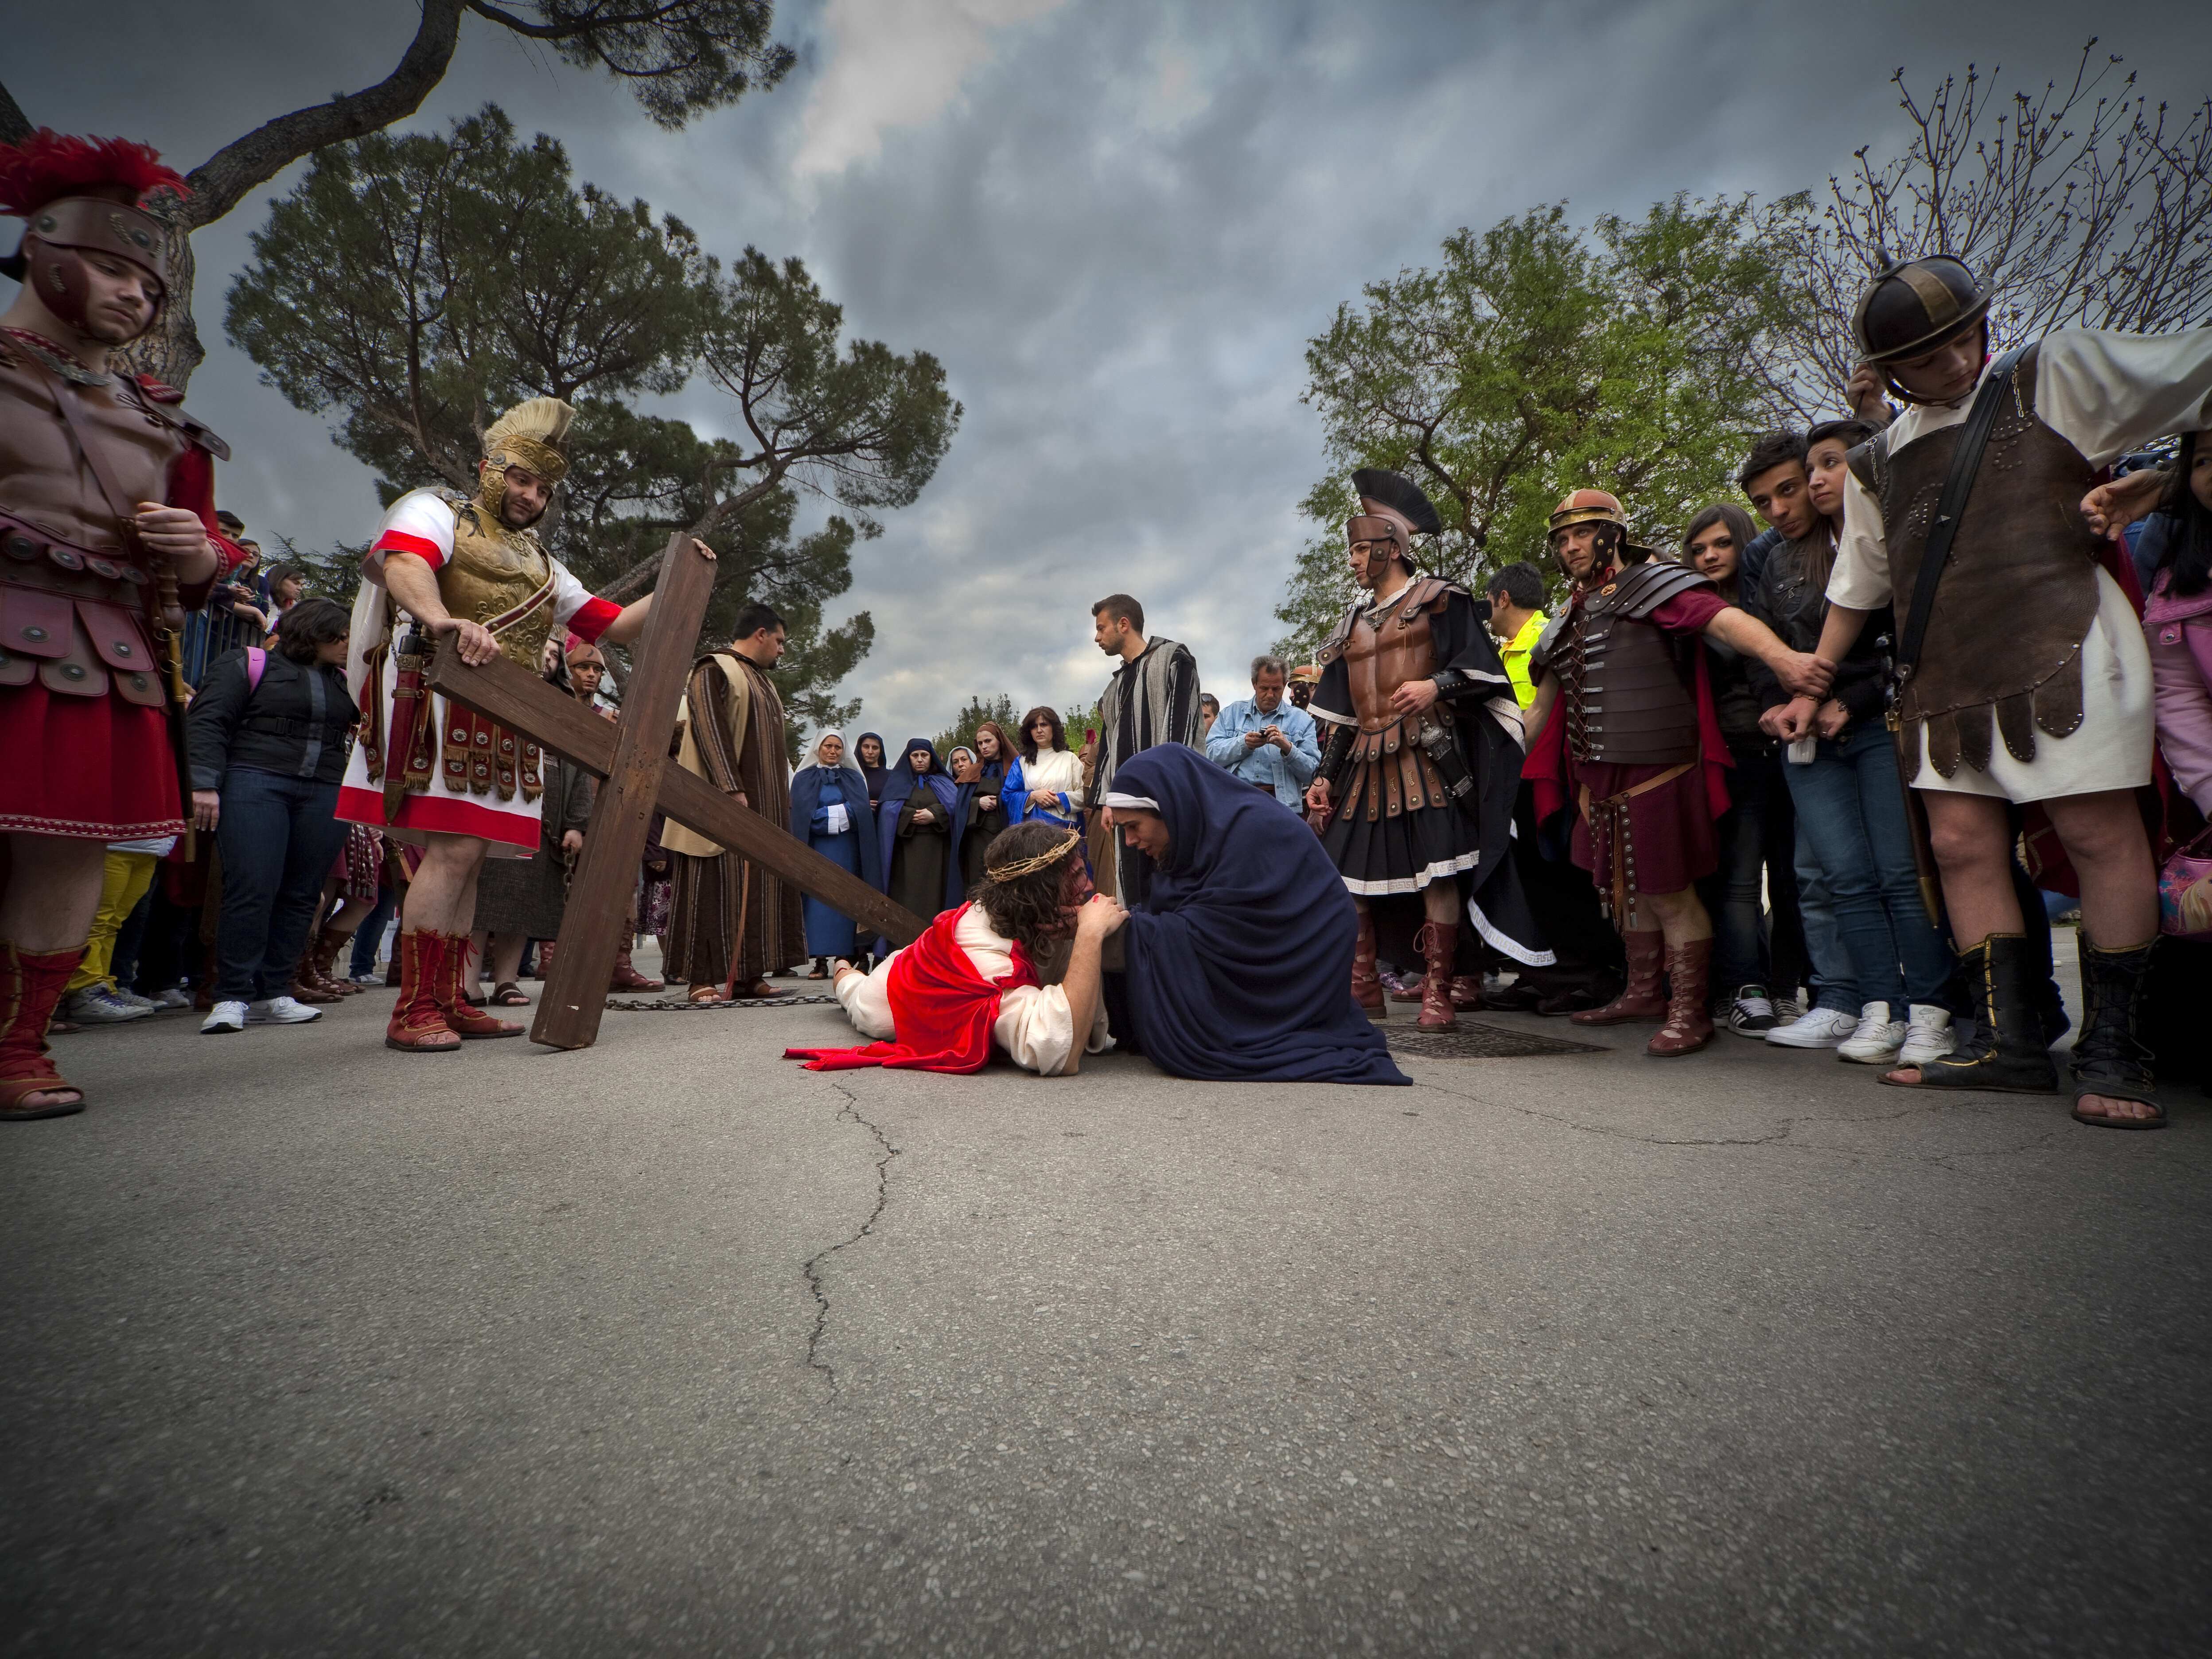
x: 1240, y: 960
x: 830, y: 811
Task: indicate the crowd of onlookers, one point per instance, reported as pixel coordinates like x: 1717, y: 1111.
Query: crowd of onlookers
x: 1822, y: 934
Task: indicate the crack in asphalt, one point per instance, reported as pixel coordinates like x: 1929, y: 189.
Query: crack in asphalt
x: 811, y: 1268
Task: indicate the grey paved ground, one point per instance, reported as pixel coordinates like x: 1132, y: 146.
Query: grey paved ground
x: 671, y: 1347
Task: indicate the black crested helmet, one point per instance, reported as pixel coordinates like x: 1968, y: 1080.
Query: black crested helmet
x: 1392, y: 510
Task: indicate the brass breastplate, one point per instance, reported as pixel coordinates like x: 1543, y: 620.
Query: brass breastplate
x: 493, y: 570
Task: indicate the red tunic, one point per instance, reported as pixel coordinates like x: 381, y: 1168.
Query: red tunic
x: 942, y: 1009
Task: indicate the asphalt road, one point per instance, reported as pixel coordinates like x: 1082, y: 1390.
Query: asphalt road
x: 669, y: 1346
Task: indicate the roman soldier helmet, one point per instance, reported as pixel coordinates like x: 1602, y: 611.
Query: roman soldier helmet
x: 83, y: 195
x: 528, y: 436
x: 1598, y: 507
x: 1912, y: 306
x: 1392, y: 510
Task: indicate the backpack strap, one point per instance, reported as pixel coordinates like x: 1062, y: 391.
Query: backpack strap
x: 257, y: 663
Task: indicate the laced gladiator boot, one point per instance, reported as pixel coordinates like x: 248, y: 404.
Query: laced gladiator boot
x: 626, y: 977
x: 1466, y: 993
x: 1366, y: 983
x: 418, y: 1023
x: 2006, y: 1050
x: 1639, y: 1001
x: 305, y: 986
x: 2109, y: 1057
x: 468, y: 1023
x: 325, y: 961
x: 1689, y: 1024
x: 31, y: 983
x: 1438, y: 942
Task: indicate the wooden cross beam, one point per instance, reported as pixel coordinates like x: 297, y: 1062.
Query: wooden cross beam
x: 631, y: 755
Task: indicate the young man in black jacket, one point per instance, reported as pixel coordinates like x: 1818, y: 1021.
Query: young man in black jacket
x: 1851, y: 810
x: 266, y: 740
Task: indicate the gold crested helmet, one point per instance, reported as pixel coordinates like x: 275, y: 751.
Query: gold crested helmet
x: 529, y: 436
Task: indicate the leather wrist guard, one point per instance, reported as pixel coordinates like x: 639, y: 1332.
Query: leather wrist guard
x: 1334, y: 755
x: 1451, y: 683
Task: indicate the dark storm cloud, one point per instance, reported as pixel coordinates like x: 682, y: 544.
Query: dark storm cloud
x: 1116, y: 224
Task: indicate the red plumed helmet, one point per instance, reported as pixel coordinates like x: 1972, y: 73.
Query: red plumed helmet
x: 50, y: 165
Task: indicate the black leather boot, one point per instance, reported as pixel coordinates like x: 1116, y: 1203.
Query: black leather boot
x: 2109, y: 1057
x: 2006, y: 1050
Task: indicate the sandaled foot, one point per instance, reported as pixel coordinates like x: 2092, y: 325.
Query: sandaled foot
x: 707, y: 996
x: 2113, y: 1112
x: 54, y: 1099
x: 761, y: 987
x: 508, y: 995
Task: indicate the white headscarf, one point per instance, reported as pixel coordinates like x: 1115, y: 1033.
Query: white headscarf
x: 847, y: 764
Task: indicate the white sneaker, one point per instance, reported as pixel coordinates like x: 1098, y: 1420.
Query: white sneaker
x: 173, y: 998
x: 96, y: 1005
x: 1818, y: 1028
x: 281, y: 1011
x: 226, y: 1017
x: 1877, y: 1040
x: 132, y: 999
x: 1928, y: 1036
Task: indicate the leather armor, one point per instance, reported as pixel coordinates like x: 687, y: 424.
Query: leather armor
x: 77, y: 602
x: 1629, y: 692
x: 1383, y: 649
x: 2003, y: 653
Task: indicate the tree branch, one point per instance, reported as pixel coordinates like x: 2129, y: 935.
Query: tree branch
x: 221, y: 182
x: 15, y: 125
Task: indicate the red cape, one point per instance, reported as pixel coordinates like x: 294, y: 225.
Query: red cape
x: 941, y: 1008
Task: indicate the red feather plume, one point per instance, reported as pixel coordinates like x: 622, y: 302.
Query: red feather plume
x: 49, y: 164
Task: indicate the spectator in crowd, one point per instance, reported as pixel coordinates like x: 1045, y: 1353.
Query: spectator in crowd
x: 1758, y: 832
x: 286, y: 586
x: 266, y: 743
x: 1517, y: 618
x: 232, y: 618
x: 829, y: 812
x: 1892, y: 983
x: 1303, y: 679
x: 986, y: 808
x: 918, y: 834
x: 1265, y: 739
x: 1046, y: 780
x: 2177, y: 624
x: 368, y: 932
x: 869, y: 752
x: 1209, y: 710
x: 94, y: 996
x: 522, y: 899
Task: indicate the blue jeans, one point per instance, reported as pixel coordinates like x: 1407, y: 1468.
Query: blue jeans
x: 1853, y: 814
x: 278, y: 837
x: 1828, y: 974
x: 370, y: 933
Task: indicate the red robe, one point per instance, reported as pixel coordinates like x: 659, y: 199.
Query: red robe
x: 942, y: 1009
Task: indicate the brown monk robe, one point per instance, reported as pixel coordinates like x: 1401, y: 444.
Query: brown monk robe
x: 724, y: 905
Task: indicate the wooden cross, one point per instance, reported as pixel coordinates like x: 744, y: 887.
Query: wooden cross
x: 631, y: 755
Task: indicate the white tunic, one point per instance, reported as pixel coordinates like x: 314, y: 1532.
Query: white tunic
x: 421, y: 522
x: 1035, y: 1024
x: 2105, y: 394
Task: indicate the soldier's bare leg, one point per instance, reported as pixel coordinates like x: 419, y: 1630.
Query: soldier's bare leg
x: 442, y: 897
x: 53, y: 890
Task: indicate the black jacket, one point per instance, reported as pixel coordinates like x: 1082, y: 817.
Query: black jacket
x: 294, y: 723
x: 1795, y: 607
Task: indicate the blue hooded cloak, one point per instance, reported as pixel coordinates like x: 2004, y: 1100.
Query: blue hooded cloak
x: 1240, y: 958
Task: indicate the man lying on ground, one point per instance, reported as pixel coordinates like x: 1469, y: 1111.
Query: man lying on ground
x: 1240, y: 955
x: 976, y: 981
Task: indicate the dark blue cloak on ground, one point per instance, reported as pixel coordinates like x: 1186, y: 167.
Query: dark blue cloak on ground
x: 1240, y: 959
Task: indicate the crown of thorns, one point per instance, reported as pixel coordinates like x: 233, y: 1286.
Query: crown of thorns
x: 1043, y: 860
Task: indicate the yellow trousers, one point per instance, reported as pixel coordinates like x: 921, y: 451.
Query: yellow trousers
x: 125, y: 882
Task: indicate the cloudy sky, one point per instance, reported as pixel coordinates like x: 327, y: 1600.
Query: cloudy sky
x: 1116, y: 221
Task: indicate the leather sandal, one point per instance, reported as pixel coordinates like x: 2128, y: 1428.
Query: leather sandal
x: 508, y: 994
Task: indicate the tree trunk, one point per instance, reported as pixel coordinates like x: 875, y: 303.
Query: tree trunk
x: 171, y: 349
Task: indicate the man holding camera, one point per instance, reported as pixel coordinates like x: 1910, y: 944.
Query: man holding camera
x: 1267, y: 741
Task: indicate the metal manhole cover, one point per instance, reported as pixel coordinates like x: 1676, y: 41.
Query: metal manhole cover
x: 1475, y: 1042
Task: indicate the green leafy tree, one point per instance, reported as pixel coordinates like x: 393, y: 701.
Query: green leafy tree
x: 680, y: 58
x: 412, y: 286
x: 1536, y: 359
x: 999, y: 707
